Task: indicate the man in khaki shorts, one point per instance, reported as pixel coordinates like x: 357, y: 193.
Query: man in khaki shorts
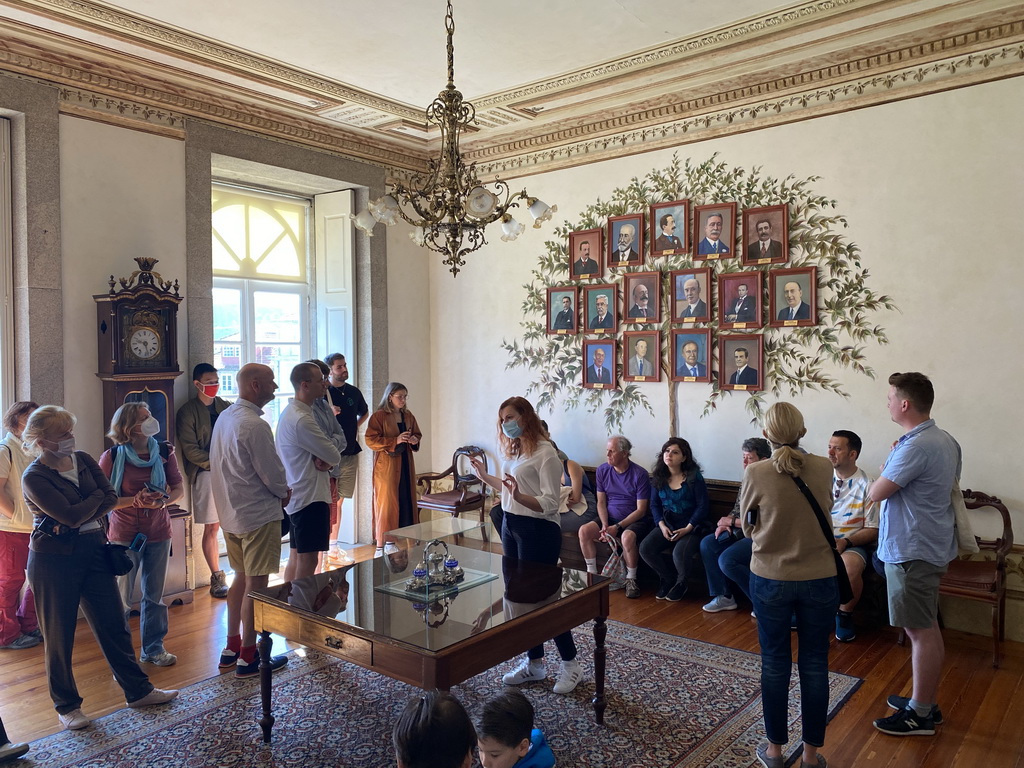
x: 195, y: 422
x: 351, y: 411
x: 916, y: 543
x: 250, y: 491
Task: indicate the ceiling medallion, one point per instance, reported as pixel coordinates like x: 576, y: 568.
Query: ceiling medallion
x: 448, y: 204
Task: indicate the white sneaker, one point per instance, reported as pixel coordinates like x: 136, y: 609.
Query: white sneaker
x: 720, y: 603
x: 74, y: 720
x: 156, y: 696
x: 391, y: 548
x: 569, y: 675
x: 527, y: 672
x: 162, y: 659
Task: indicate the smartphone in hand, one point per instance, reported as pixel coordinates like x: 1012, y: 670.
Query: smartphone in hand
x: 157, y: 490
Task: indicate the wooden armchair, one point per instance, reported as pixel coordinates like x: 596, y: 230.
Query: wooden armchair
x: 984, y: 580
x: 468, y: 493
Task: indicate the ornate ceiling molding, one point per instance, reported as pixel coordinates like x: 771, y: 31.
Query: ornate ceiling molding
x: 801, y: 63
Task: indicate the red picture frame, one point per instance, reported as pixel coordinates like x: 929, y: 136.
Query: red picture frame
x: 592, y: 322
x: 740, y: 300
x: 641, y: 363
x: 594, y: 240
x: 727, y: 232
x: 806, y: 296
x: 641, y: 297
x: 606, y: 377
x: 559, y: 323
x: 680, y: 303
x: 616, y: 227
x: 675, y: 240
x: 773, y: 222
x: 682, y: 340
x: 749, y: 378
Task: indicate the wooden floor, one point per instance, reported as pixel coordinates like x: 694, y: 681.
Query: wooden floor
x: 982, y: 706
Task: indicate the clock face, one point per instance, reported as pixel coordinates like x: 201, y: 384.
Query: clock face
x: 144, y: 344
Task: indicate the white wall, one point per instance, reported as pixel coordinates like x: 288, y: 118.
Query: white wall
x: 933, y: 190
x: 122, y: 196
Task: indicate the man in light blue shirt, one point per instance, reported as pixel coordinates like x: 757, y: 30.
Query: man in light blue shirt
x: 916, y: 542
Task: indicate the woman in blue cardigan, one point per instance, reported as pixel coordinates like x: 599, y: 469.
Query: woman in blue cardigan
x: 679, y: 503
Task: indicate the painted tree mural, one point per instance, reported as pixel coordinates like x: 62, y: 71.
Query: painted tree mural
x: 795, y: 359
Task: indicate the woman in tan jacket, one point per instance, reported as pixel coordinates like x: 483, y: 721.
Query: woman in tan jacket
x: 793, y: 574
x: 392, y: 433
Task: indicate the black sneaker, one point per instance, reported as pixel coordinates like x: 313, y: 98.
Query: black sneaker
x: 845, y: 632
x: 663, y: 589
x: 676, y: 593
x: 906, y: 722
x: 902, y: 702
x: 253, y: 669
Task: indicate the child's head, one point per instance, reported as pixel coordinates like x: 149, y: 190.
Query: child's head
x: 506, y: 723
x: 434, y: 731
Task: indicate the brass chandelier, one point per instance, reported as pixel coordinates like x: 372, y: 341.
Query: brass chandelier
x: 448, y: 204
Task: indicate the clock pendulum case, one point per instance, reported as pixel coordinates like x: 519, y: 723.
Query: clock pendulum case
x: 137, y: 332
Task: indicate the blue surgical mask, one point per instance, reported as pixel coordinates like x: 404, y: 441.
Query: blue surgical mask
x: 511, y: 429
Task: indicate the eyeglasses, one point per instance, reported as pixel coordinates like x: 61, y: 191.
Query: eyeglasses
x: 838, y: 488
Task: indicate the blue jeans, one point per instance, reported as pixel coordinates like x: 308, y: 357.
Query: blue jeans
x: 151, y: 565
x: 735, y: 564
x: 814, y: 603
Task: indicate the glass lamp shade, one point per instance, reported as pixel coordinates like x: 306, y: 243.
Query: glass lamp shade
x: 385, y: 210
x: 418, y: 236
x: 365, y: 221
x: 511, y: 229
x: 540, y: 211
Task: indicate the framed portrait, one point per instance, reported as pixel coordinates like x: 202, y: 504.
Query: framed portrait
x: 641, y: 356
x: 586, y: 253
x: 714, y: 231
x: 691, y: 355
x: 739, y: 300
x: 599, y: 364
x: 670, y: 223
x: 642, y: 297
x: 563, y: 311
x: 794, y: 297
x: 740, y: 358
x: 691, y: 295
x: 766, y: 235
x: 601, y: 308
x: 626, y: 240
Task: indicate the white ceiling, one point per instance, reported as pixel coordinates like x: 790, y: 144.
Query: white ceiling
x: 497, y: 45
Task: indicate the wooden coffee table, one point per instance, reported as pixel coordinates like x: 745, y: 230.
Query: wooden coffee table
x: 437, y: 644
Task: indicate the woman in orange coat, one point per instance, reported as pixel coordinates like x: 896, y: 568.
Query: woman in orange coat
x: 392, y: 434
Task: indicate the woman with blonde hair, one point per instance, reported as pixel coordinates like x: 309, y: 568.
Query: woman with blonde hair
x: 392, y: 433
x: 793, y: 574
x: 145, y: 474
x: 530, y: 486
x: 67, y: 565
x: 19, y: 628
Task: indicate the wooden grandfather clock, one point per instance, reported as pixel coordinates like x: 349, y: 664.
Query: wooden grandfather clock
x: 137, y: 332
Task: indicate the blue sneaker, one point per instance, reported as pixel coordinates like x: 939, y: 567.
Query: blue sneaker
x: 845, y: 633
x: 251, y: 670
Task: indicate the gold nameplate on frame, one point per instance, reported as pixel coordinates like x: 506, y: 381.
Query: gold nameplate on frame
x: 599, y: 386
x: 740, y: 386
x: 763, y: 261
x: 639, y: 378
x: 689, y: 378
x: 562, y: 331
x: 789, y: 323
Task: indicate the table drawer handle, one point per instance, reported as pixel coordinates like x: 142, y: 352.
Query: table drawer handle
x: 337, y: 643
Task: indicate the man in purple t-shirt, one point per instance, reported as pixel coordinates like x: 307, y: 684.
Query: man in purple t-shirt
x: 623, y: 493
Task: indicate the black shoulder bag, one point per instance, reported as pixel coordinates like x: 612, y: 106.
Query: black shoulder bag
x: 845, y: 588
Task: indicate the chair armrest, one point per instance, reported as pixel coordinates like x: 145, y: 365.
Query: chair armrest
x: 428, y: 480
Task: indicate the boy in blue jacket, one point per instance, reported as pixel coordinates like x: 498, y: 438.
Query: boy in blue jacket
x: 506, y: 737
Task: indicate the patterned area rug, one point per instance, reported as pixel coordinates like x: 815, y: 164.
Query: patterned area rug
x: 671, y: 702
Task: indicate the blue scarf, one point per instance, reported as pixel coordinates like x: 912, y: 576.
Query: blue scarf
x: 127, y: 452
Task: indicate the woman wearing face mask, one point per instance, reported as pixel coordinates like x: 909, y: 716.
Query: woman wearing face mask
x: 392, y: 434
x: 70, y: 497
x: 530, y: 486
x: 138, y: 459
